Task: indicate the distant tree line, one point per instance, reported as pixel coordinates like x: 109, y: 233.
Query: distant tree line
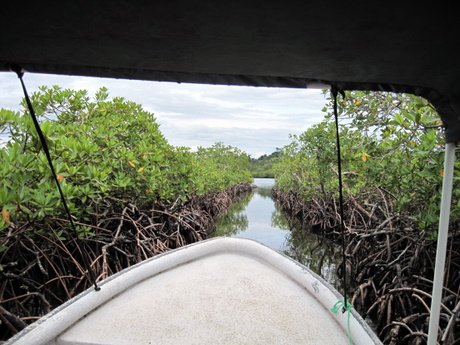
x: 263, y: 166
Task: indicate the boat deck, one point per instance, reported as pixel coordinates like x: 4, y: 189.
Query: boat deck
x: 220, y: 291
x: 224, y: 299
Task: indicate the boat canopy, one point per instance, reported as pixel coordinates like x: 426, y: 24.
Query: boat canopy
x: 378, y: 46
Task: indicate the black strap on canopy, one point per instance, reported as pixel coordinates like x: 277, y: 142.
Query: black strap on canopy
x: 86, y: 261
x: 335, y: 93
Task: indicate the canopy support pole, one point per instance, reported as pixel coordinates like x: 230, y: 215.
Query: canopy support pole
x: 438, y: 279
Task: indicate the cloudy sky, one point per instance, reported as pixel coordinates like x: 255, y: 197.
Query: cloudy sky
x: 256, y: 120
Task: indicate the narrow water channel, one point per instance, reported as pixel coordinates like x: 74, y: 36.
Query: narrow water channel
x: 257, y: 217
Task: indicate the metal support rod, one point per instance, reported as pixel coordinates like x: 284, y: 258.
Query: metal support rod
x: 438, y: 279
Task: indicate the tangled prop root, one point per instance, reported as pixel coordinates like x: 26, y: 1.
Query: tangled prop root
x: 41, y: 267
x: 390, y: 263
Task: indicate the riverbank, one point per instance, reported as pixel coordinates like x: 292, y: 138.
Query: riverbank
x: 391, y: 265
x: 40, y: 272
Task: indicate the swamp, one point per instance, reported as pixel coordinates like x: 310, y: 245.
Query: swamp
x: 132, y: 196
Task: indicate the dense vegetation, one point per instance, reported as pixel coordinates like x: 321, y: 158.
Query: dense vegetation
x: 392, y: 162
x: 263, y: 166
x: 131, y: 195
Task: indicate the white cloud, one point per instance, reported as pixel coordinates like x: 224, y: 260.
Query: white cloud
x: 256, y: 120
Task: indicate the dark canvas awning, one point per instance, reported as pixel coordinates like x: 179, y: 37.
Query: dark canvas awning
x: 372, y: 46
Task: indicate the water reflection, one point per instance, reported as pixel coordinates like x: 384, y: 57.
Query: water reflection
x: 257, y: 217
x: 236, y: 219
x: 253, y: 218
x: 319, y: 254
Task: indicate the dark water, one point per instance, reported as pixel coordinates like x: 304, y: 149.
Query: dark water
x: 257, y: 217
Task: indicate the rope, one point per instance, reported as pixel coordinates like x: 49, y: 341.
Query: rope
x: 346, y: 307
x: 345, y: 304
x: 86, y: 261
x: 339, y: 168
